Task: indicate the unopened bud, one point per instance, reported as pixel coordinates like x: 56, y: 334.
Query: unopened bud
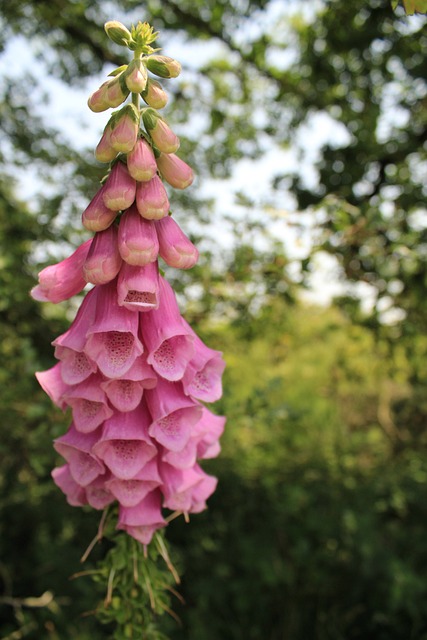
x: 124, y: 129
x: 161, y: 134
x: 103, y: 261
x: 174, y: 170
x: 104, y: 151
x: 151, y: 199
x: 154, y: 95
x: 119, y: 190
x: 97, y: 216
x: 118, y: 33
x: 136, y: 76
x: 141, y: 162
x: 163, y: 66
x: 116, y: 91
x: 98, y: 100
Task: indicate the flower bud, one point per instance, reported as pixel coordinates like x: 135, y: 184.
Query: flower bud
x: 137, y: 240
x: 103, y: 261
x: 154, y: 95
x: 151, y: 199
x: 97, y: 216
x: 118, y: 33
x: 136, y: 76
x: 119, y: 190
x: 116, y: 91
x: 98, y: 102
x: 141, y: 162
x: 175, y: 248
x: 124, y: 129
x: 174, y: 170
x: 104, y: 151
x: 163, y: 66
x: 161, y: 134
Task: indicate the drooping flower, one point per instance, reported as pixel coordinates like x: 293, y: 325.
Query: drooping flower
x: 130, y: 368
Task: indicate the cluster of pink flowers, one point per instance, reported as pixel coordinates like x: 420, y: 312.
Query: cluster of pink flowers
x: 133, y: 372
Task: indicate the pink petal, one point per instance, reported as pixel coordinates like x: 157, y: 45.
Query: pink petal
x: 173, y: 414
x: 103, y: 261
x: 174, y: 246
x: 52, y: 383
x: 112, y: 340
x: 61, y: 281
x: 138, y: 287
x: 142, y: 520
x: 89, y: 404
x: 119, y: 189
x: 76, y: 495
x: 130, y: 492
x: 76, y: 448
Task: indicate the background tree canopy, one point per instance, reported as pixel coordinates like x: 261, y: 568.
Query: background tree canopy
x: 317, y: 529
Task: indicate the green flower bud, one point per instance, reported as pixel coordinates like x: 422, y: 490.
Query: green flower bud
x: 118, y: 33
x: 163, y: 66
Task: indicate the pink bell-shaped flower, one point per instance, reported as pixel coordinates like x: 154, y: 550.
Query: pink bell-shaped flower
x: 125, y: 393
x: 179, y: 486
x: 141, y: 162
x: 76, y: 495
x: 173, y: 414
x: 125, y: 446
x: 130, y: 492
x: 152, y: 200
x: 97, y: 493
x: 112, y: 339
x: 137, y: 240
x: 138, y: 287
x: 52, y: 383
x: 63, y: 280
x: 174, y: 246
x: 169, y: 343
x: 104, y: 260
x: 89, y: 404
x: 143, y: 520
x: 76, y: 366
x: 119, y: 189
x: 76, y: 448
x: 202, y: 377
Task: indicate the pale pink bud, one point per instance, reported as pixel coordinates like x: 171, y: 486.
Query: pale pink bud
x: 151, y: 199
x: 174, y: 246
x: 120, y: 188
x: 98, y: 100
x: 163, y: 66
x: 154, y: 95
x: 103, y: 261
x: 141, y: 161
x: 163, y: 137
x: 61, y: 281
x: 97, y: 216
x: 116, y: 92
x: 104, y: 151
x: 174, y: 170
x: 138, y: 287
x: 137, y: 241
x: 124, y: 131
x: 136, y: 76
